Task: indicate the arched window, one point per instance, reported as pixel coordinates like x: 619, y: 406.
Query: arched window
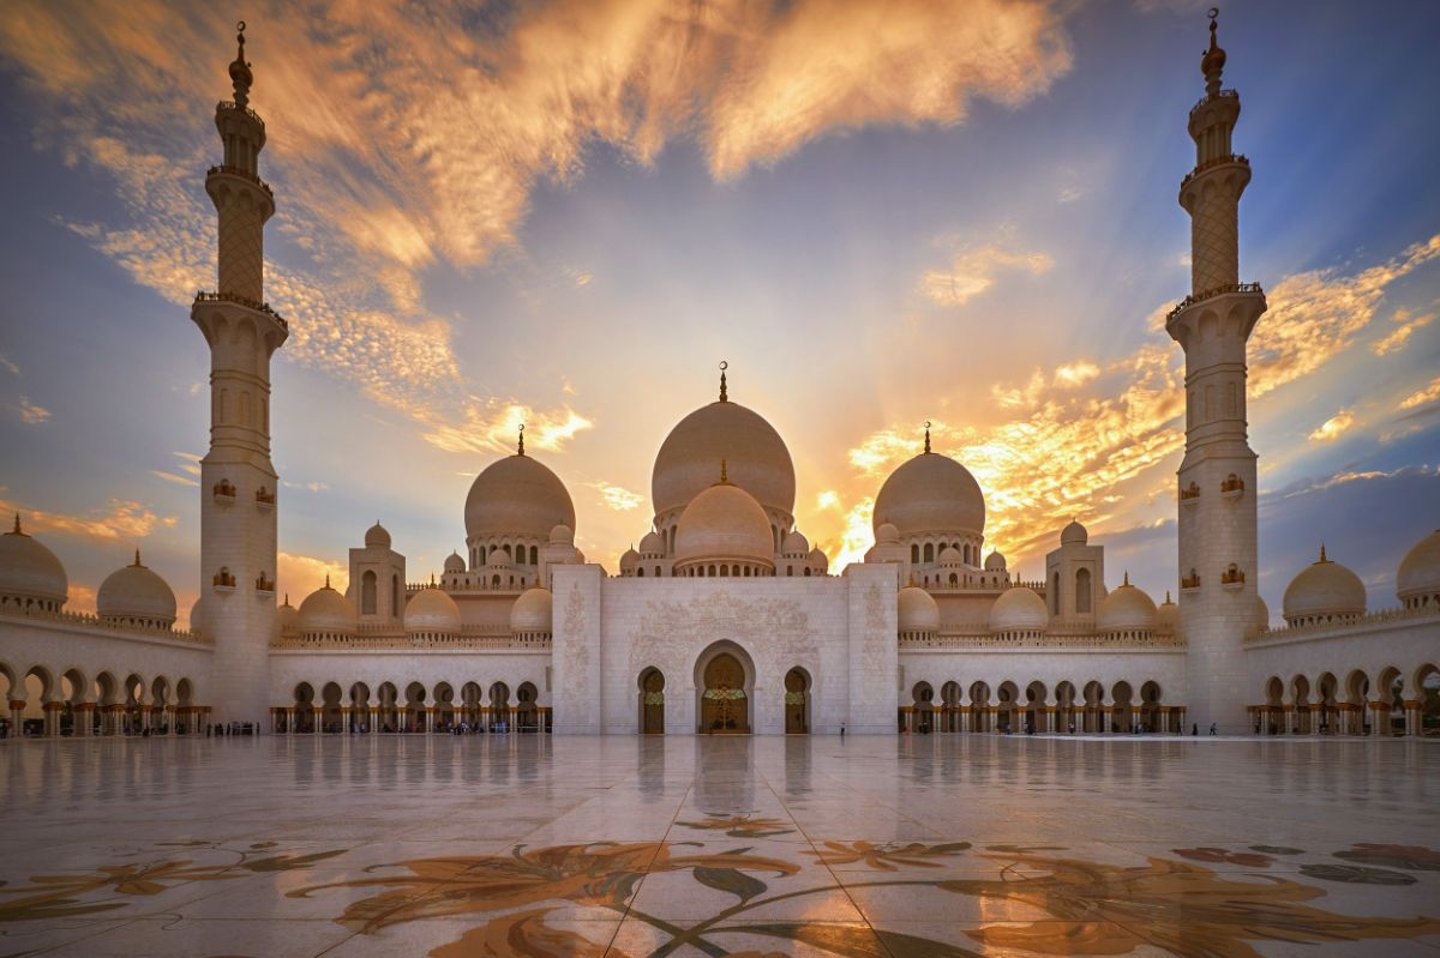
x: 534, y: 555
x: 914, y: 554
x: 640, y: 572
x: 929, y: 552
x: 1055, y: 595
x: 657, y: 572
x: 807, y: 570
x: 954, y: 581
x: 367, y: 592
x: 397, y: 602
x: 1082, y: 591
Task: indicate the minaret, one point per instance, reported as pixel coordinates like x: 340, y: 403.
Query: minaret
x: 238, y: 485
x: 1217, y: 527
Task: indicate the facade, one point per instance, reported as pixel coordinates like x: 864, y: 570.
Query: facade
x: 724, y: 619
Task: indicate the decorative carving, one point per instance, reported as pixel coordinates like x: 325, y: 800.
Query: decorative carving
x: 776, y: 632
x: 577, y: 645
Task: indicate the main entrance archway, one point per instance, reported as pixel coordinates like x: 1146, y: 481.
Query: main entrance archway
x: 724, y: 681
x: 652, y: 702
x: 797, y: 702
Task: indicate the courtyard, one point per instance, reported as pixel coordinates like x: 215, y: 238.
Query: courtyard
x: 536, y: 845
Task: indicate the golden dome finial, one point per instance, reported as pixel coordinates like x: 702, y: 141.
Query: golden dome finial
x: 723, y: 366
x: 137, y: 557
x: 1127, y: 577
x: 287, y: 598
x: 1322, y: 553
x: 1167, y: 596
x: 327, y: 580
x: 432, y: 580
x: 18, y: 531
x: 927, y: 435
x: 724, y: 478
x: 1213, y: 62
x: 521, y: 451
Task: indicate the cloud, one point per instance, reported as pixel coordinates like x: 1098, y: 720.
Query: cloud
x: 617, y: 498
x: 1316, y: 315
x: 121, y: 519
x: 1075, y: 374
x: 314, y: 486
x: 973, y: 272
x: 1401, y: 335
x: 488, y: 426
x: 1334, y: 427
x: 30, y: 413
x: 172, y: 477
x: 299, y: 575
x: 9, y: 365
x: 1421, y: 397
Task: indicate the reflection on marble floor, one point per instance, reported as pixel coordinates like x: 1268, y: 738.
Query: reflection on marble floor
x: 532, y: 846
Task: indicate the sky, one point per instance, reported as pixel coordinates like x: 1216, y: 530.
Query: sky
x: 568, y: 214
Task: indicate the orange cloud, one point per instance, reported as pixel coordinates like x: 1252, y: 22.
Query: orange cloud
x: 299, y: 575
x: 617, y: 498
x: 972, y: 272
x: 1421, y: 397
x: 124, y: 519
x: 1402, y: 334
x: 32, y: 414
x: 494, y: 426
x: 1334, y: 427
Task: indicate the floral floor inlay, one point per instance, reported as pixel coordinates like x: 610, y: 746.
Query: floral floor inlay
x: 760, y: 860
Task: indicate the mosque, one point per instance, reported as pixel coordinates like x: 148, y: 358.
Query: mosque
x: 725, y: 620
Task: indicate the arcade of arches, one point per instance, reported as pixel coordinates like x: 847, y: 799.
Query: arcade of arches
x: 1091, y: 708
x: 40, y: 702
x: 1388, y: 703
x: 411, y: 707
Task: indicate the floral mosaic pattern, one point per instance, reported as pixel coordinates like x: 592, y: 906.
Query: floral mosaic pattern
x: 522, y: 901
x: 741, y: 826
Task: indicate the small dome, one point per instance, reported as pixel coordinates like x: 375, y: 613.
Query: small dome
x: 629, y: 560
x: 287, y: 617
x: 327, y: 611
x: 652, y: 544
x: 28, y: 570
x: 432, y: 610
x: 562, y: 535
x: 917, y: 611
x: 887, y: 533
x: 758, y: 461
x: 1127, y: 609
x: 1324, y: 589
x: 796, y: 544
x: 724, y: 523
x: 1262, y: 614
x: 1419, y: 574
x: 819, y: 561
x: 136, y: 592
x: 950, y: 556
x: 377, y: 537
x: 532, y: 612
x: 995, y: 562
x: 931, y: 493
x: 1167, y: 617
x: 1074, y: 535
x: 517, y: 496
x: 454, y: 562
x: 198, y: 611
x: 1019, y: 609
x: 499, y: 558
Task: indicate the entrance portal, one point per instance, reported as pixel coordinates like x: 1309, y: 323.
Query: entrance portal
x: 797, y: 702
x: 724, y: 707
x: 652, y: 702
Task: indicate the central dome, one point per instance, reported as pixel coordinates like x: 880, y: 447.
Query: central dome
x: 931, y: 494
x: 758, y: 461
x: 517, y: 497
x: 724, y: 523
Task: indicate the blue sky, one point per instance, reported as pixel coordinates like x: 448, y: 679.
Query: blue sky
x: 570, y: 213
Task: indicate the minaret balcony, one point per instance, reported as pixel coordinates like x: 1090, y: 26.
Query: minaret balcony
x: 223, y: 581
x: 231, y: 105
x: 265, y: 587
x: 1232, y: 579
x: 203, y: 297
x: 1191, y: 582
x: 1233, y: 487
x: 242, y: 174
x: 1213, y: 162
x: 1200, y: 297
x: 1189, y: 495
x: 224, y: 492
x: 264, y: 499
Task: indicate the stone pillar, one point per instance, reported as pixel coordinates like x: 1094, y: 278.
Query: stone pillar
x: 1414, y: 717
x: 317, y: 721
x: 289, y: 720
x: 52, y: 718
x: 374, y: 718
x: 84, y: 714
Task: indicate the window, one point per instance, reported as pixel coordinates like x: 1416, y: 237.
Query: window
x: 367, y: 592
x: 1082, y: 591
x: 397, y: 603
x: 929, y: 552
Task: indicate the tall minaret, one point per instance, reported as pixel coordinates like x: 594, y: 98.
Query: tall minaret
x: 1217, y: 527
x: 238, y: 484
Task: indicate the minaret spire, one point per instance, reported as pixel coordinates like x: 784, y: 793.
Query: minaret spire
x: 927, y: 435
x: 520, y: 448
x: 723, y: 366
x: 1213, y: 62
x: 240, y: 73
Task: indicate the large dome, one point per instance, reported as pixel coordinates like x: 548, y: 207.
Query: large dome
x: 1127, y: 609
x: 533, y: 612
x: 432, y: 610
x: 517, y: 496
x: 916, y: 610
x: 326, y: 610
x: 724, y: 523
x: 931, y: 494
x: 137, y: 593
x: 1019, y: 609
x: 28, y: 570
x: 756, y: 458
x: 1324, y: 589
x: 1419, y: 574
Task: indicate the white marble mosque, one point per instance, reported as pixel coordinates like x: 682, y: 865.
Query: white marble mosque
x: 726, y: 619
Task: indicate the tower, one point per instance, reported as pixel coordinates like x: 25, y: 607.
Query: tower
x: 238, y: 484
x: 1217, y: 526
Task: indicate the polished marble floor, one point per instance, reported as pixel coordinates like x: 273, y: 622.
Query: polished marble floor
x: 930, y: 846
